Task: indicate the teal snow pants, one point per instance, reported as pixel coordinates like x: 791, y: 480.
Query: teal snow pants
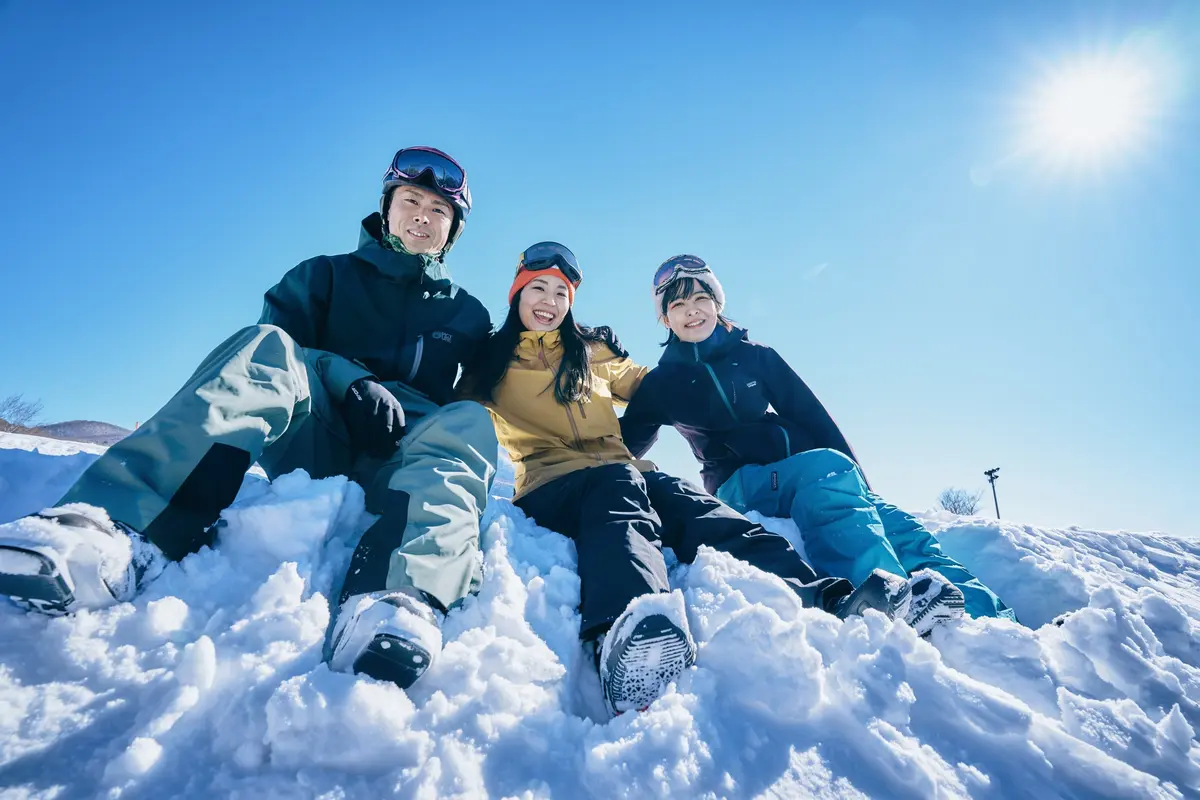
x: 847, y: 529
x: 259, y: 397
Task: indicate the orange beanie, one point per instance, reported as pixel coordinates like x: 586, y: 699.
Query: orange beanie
x: 524, y: 276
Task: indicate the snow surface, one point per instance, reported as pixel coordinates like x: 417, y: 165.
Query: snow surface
x: 211, y: 683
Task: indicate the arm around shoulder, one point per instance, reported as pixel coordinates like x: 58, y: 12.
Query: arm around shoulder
x: 624, y: 374
x: 643, y: 418
x: 477, y: 330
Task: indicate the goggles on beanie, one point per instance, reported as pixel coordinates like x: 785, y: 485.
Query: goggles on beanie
x: 548, y: 255
x: 547, y: 258
x: 678, y: 267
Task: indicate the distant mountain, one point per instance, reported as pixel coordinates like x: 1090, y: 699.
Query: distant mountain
x: 80, y: 430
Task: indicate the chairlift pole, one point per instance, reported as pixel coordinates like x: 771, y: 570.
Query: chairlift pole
x: 992, y: 475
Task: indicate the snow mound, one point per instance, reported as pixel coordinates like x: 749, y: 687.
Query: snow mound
x: 211, y: 683
x: 29, y: 480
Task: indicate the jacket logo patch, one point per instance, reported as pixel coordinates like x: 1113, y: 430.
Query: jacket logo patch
x: 751, y: 384
x: 774, y: 481
x: 442, y: 336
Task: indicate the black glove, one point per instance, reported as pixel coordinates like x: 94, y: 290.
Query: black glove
x: 373, y: 417
x: 606, y: 335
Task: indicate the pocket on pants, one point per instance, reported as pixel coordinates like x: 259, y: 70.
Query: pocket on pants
x: 768, y: 490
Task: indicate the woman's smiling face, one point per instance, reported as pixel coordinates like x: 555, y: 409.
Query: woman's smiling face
x: 693, y: 318
x: 544, y: 302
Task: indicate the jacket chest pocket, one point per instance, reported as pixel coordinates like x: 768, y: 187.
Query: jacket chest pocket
x: 432, y: 365
x: 734, y: 395
x: 748, y: 397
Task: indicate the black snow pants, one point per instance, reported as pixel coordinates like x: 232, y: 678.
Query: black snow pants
x: 620, y: 519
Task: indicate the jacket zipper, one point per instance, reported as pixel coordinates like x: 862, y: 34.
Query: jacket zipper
x: 787, y: 441
x: 582, y: 413
x: 417, y: 359
x: 567, y: 408
x: 721, y: 391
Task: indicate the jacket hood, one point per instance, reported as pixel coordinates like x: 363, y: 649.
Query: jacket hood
x: 397, y: 266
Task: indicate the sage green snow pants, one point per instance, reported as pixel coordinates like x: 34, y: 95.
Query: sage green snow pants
x: 259, y: 397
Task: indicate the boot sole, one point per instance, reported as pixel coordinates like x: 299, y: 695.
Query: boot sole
x: 42, y: 587
x: 655, y: 654
x: 390, y: 658
x: 948, y: 605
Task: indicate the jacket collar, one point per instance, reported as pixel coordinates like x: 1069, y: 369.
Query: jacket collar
x: 532, y: 343
x: 711, y: 349
x: 401, y: 267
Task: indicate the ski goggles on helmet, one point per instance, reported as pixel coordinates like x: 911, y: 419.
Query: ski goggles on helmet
x: 678, y: 267
x: 446, y: 174
x: 550, y: 255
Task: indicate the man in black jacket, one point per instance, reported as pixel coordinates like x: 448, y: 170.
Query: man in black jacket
x: 350, y: 371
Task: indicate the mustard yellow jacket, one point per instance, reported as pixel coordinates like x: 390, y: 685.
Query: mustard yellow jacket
x: 546, y: 439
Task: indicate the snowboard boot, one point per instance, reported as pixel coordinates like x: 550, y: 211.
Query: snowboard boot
x: 935, y: 601
x: 389, y: 635
x: 881, y: 591
x: 647, y: 647
x: 74, y: 557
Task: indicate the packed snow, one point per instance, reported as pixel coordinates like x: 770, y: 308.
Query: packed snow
x: 211, y: 683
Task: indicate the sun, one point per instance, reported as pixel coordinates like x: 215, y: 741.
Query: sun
x: 1092, y: 109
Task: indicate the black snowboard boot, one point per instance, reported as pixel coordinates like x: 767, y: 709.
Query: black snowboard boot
x: 881, y: 591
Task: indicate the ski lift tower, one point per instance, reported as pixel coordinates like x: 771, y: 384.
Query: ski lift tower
x: 992, y: 475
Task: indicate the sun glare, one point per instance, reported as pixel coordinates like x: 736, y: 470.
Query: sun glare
x: 1093, y: 108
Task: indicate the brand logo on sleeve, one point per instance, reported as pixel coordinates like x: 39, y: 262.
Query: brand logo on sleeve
x: 442, y: 336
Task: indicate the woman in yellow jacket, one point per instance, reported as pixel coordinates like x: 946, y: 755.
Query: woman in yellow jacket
x: 552, y: 387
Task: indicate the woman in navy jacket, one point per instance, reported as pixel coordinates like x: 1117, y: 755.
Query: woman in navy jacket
x: 766, y: 443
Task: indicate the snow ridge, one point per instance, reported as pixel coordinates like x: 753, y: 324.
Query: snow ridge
x: 81, y: 430
x: 211, y: 683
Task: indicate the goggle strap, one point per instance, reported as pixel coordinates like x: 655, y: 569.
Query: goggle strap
x: 555, y: 263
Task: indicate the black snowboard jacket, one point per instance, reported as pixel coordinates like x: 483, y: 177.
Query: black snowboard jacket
x: 377, y: 312
x: 735, y: 401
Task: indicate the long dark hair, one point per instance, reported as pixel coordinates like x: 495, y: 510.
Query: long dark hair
x: 572, y: 383
x: 682, y: 289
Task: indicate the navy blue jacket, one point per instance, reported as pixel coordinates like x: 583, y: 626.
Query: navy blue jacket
x: 736, y: 402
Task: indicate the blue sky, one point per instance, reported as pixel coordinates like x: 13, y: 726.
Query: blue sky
x: 165, y: 164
